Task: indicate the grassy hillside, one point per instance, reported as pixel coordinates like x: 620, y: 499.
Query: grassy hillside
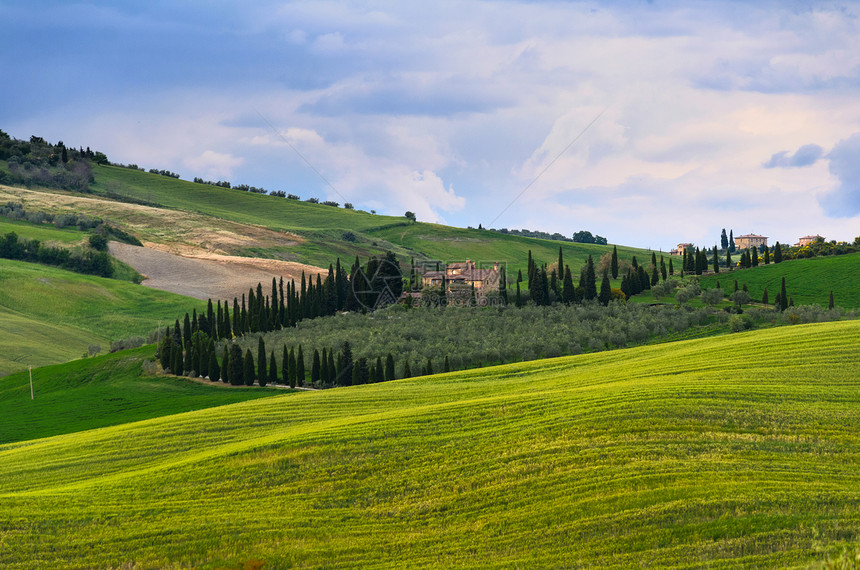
x: 102, y: 391
x: 323, y: 226
x: 50, y: 315
x: 809, y: 281
x: 43, y: 232
x: 664, y: 456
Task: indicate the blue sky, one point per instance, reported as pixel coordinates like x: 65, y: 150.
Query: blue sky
x: 711, y: 114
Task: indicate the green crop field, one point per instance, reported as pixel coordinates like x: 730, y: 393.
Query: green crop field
x: 43, y: 232
x: 50, y: 315
x: 808, y: 281
x: 664, y: 456
x: 102, y: 391
x: 323, y: 226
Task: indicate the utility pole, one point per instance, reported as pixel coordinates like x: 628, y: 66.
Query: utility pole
x: 32, y: 396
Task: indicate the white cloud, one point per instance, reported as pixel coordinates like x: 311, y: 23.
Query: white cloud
x: 211, y: 164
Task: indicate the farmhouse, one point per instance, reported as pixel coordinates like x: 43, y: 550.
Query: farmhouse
x: 806, y: 240
x: 682, y: 247
x: 750, y: 240
x: 483, y: 280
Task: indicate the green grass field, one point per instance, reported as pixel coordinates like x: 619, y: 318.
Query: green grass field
x: 50, y: 315
x: 102, y: 391
x: 662, y: 456
x: 45, y: 233
x: 809, y: 281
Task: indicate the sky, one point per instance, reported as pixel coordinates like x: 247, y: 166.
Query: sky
x: 648, y: 123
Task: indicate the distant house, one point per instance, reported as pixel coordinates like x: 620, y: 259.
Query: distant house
x: 682, y: 247
x: 806, y: 240
x: 750, y: 240
x: 483, y: 280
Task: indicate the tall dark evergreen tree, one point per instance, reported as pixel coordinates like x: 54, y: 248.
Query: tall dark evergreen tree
x: 568, y: 292
x: 724, y: 240
x: 590, y: 284
x: 407, y: 373
x: 663, y: 272
x: 389, y: 368
x: 777, y: 253
x: 291, y: 367
x: 186, y: 332
x: 830, y: 304
x: 613, y: 264
x: 671, y: 267
x: 764, y: 297
x: 606, y: 291
x: 273, y: 370
x: 783, y: 296
x: 559, y: 271
x: 732, y: 246
x: 729, y: 259
x: 315, y: 368
x: 214, y: 369
x: 300, y: 367
x: 754, y: 256
x: 237, y: 366
x: 248, y: 372
x: 324, y: 371
x: 716, y: 260
x: 262, y: 373
x: 225, y: 365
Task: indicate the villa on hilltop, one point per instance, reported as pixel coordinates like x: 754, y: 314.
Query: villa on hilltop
x: 483, y: 280
x: 750, y: 240
x: 806, y: 240
x: 682, y: 247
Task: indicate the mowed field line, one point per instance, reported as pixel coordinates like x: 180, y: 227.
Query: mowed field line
x: 671, y: 455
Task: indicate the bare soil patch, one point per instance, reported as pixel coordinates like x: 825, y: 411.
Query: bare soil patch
x: 207, y: 275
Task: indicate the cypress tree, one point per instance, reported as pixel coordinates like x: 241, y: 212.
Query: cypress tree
x: 764, y: 297
x: 428, y: 370
x: 315, y: 368
x: 791, y: 301
x: 716, y: 261
x: 724, y: 240
x: 237, y: 366
x: 655, y: 276
x: 736, y: 284
x: 176, y: 359
x: 518, y: 301
x: 590, y: 280
x: 389, y: 368
x: 777, y: 253
x: 729, y: 259
x: 355, y: 378
x: 291, y: 367
x: 407, y: 373
x: 613, y: 266
x: 273, y: 370
x: 783, y: 296
x: 214, y: 370
x: 332, y: 371
x: 186, y: 361
x: 324, y: 372
x: 165, y: 351
x: 371, y: 374
x: 606, y: 291
x: 830, y: 304
x: 560, y: 267
x: 248, y: 371
x: 732, y: 241
x: 663, y: 268
x: 766, y: 253
x: 568, y: 291
x: 262, y: 373
x: 186, y: 332
x: 754, y: 257
x: 447, y: 366
x: 225, y: 365
x: 300, y: 368
x: 671, y: 267
x: 380, y: 370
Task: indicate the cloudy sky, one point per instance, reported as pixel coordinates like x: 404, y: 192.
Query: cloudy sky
x: 650, y: 123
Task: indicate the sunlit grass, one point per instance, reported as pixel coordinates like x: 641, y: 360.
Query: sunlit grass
x: 675, y: 455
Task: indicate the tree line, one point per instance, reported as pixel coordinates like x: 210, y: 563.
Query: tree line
x: 89, y: 261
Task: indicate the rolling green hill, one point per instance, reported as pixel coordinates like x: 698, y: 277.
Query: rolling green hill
x: 663, y: 456
x: 102, y: 391
x: 808, y: 281
x: 50, y: 315
x: 323, y: 226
